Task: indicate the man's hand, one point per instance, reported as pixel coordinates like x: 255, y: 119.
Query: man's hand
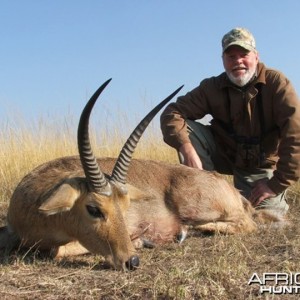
x: 260, y: 192
x: 190, y: 156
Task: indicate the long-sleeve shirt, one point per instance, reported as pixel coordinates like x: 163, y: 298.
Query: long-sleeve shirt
x: 235, y: 111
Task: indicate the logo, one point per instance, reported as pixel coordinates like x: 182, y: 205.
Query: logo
x: 277, y: 283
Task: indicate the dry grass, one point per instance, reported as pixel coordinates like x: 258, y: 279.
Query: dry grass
x: 203, y: 267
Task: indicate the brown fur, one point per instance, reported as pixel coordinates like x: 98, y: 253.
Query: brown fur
x: 48, y: 208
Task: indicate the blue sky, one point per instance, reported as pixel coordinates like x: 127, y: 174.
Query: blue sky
x: 55, y: 53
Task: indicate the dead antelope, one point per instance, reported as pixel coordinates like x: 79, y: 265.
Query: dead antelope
x: 70, y: 206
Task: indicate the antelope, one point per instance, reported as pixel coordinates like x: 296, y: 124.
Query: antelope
x: 78, y: 204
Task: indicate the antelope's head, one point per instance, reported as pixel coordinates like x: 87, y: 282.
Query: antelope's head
x: 99, y: 202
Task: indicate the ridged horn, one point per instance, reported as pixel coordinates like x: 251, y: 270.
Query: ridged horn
x: 95, y: 178
x: 120, y: 170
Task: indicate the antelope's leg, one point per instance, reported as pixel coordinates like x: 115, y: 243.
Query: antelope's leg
x: 70, y: 249
x: 220, y: 227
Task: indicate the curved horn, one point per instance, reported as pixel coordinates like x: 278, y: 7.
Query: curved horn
x: 96, y: 179
x: 119, y: 172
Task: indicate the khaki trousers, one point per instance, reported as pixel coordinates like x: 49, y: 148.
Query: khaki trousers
x: 203, y: 141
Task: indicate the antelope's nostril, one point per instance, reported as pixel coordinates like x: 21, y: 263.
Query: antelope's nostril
x: 132, y: 263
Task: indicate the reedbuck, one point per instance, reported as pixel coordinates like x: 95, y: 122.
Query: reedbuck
x: 72, y: 205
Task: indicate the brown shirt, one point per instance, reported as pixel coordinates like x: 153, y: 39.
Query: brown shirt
x: 235, y: 111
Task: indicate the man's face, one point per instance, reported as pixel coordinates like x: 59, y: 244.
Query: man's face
x: 240, y: 64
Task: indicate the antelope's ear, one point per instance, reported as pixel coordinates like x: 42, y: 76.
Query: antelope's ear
x: 135, y: 193
x: 61, y: 200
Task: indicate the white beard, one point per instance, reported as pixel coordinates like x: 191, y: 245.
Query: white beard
x: 242, y: 80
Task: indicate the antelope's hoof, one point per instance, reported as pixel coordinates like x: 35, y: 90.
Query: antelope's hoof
x: 182, y: 235
x: 132, y: 263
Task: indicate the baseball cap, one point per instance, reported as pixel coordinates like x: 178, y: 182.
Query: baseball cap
x: 239, y: 36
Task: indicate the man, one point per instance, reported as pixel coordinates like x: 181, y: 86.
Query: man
x: 255, y: 129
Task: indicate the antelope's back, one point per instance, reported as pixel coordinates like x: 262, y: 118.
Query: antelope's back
x: 147, y: 175
x: 34, y: 188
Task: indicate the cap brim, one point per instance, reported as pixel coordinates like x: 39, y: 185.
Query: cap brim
x: 240, y: 44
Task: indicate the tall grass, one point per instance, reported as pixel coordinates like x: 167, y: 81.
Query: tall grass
x: 26, y: 145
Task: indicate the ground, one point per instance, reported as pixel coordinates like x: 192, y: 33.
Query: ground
x: 203, y: 267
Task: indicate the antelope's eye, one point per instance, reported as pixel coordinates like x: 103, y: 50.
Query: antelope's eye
x: 95, y: 212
